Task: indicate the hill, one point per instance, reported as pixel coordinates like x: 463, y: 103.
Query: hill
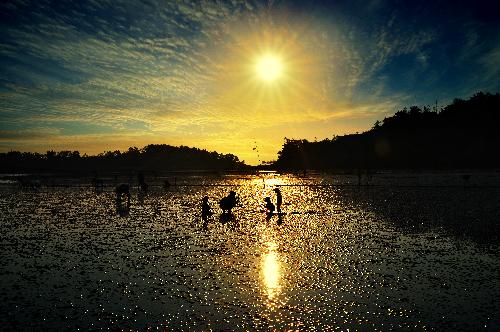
x: 464, y: 134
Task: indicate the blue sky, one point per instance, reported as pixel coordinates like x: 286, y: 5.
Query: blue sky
x: 105, y: 75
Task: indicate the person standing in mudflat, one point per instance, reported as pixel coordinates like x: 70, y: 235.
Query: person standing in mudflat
x: 279, y: 199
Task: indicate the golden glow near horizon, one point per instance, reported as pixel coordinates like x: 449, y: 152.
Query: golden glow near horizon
x: 269, y: 67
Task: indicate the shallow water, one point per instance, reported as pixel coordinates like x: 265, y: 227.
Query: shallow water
x: 407, y: 253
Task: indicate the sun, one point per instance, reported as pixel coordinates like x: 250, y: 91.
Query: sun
x: 269, y: 67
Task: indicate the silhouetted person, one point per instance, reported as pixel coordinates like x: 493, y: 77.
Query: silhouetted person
x: 166, y: 184
x: 97, y: 183
x: 359, y: 176
x: 228, y: 203
x: 142, y: 183
x: 369, y: 175
x: 122, y: 211
x: 269, y: 205
x: 279, y: 199
x: 224, y: 218
x: 206, y: 211
x: 280, y: 219
x: 122, y: 193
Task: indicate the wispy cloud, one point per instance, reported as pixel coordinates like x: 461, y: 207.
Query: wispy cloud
x: 28, y: 134
x: 95, y: 72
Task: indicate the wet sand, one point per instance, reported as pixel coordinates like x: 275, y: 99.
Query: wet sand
x: 400, y: 252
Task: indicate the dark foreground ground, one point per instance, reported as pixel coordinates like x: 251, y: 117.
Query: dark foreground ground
x: 408, y: 252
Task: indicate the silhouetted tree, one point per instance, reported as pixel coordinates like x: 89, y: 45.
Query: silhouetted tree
x: 463, y: 134
x: 150, y: 158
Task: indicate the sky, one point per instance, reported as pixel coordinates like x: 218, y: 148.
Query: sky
x: 106, y: 75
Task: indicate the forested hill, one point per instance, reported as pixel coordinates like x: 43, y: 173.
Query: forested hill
x: 152, y: 157
x: 464, y: 134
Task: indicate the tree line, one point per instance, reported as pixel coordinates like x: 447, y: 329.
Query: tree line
x: 463, y: 134
x: 153, y: 157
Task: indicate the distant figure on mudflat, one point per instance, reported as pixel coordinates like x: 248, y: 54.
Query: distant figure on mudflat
x: 206, y: 211
x: 369, y: 175
x: 142, y: 183
x: 122, y: 192
x: 228, y: 202
x: 97, y: 183
x: 279, y: 199
x: 269, y: 205
x: 167, y: 184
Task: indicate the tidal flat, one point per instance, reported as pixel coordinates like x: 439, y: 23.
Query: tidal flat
x: 400, y: 252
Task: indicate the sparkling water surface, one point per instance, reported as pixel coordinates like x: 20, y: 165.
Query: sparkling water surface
x: 408, y: 252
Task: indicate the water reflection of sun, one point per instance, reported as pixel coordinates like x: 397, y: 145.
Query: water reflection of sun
x: 271, y: 271
x: 273, y: 181
x: 263, y: 186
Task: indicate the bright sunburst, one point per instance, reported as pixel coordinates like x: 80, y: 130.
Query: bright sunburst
x: 269, y: 67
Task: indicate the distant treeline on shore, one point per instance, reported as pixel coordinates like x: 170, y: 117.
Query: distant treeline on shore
x: 464, y: 134
x: 150, y: 158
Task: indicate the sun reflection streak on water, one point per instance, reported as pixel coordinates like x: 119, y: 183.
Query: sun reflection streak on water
x: 274, y: 181
x: 271, y: 272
